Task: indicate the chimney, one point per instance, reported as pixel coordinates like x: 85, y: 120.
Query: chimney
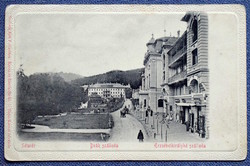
x: 178, y: 33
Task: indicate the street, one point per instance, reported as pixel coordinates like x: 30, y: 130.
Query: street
x: 126, y: 129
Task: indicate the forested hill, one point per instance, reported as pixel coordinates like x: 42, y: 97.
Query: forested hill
x: 132, y: 77
x: 68, y: 77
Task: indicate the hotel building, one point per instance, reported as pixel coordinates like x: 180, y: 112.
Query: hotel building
x: 150, y: 94
x: 175, y: 82
x: 106, y: 90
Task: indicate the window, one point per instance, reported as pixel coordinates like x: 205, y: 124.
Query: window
x: 160, y: 103
x: 178, y: 69
x: 194, y: 86
x: 184, y: 67
x: 145, y: 102
x: 194, y: 57
x: 164, y: 60
x: 195, y: 30
x: 149, y: 80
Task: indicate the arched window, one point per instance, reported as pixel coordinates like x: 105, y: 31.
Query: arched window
x: 160, y: 103
x: 194, y: 86
x: 164, y: 90
x: 164, y: 60
x: 149, y: 80
x: 145, y: 103
x: 195, y: 30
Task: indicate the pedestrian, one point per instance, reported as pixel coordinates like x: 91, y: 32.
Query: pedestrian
x: 140, y: 136
x: 187, y: 125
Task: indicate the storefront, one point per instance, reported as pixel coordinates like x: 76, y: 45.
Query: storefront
x: 200, y: 129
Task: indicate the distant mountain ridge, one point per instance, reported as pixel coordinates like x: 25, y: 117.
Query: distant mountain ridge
x: 132, y: 77
x: 68, y: 77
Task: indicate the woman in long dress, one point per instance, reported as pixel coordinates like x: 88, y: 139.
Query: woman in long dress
x: 140, y: 136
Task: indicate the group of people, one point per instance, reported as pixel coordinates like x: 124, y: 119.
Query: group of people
x: 123, y: 112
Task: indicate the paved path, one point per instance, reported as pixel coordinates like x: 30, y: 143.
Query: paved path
x: 46, y: 129
x: 126, y: 129
x: 177, y: 133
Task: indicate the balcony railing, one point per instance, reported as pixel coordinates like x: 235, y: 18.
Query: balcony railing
x: 178, y: 77
x: 183, y: 98
x: 143, y: 91
x: 177, y: 55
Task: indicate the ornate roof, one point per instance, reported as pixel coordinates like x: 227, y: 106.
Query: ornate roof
x: 151, y: 41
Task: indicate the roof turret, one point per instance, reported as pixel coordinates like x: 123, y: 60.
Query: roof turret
x: 151, y: 41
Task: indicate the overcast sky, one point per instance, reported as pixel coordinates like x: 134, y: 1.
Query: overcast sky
x: 88, y: 44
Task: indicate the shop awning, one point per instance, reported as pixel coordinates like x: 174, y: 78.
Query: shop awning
x: 185, y: 104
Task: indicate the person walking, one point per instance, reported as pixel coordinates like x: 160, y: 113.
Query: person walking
x: 140, y: 136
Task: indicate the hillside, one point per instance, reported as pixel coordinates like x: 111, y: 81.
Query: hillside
x: 68, y: 77
x: 132, y: 77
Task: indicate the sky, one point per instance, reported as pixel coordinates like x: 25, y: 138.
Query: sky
x: 88, y: 44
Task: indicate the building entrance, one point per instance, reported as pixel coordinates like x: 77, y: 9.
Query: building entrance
x: 182, y: 117
x: 191, y: 121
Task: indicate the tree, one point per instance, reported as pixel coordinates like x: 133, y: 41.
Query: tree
x: 44, y: 94
x: 128, y: 93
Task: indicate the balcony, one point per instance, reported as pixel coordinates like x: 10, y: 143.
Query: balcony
x: 178, y: 77
x: 183, y: 99
x: 194, y: 99
x: 177, y: 56
x: 143, y: 91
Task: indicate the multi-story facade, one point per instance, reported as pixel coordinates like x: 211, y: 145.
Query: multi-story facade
x: 106, y: 90
x: 182, y: 88
x: 150, y: 91
x: 175, y: 82
x: 197, y: 73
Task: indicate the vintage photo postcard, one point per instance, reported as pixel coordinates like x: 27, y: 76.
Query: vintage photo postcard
x: 125, y: 82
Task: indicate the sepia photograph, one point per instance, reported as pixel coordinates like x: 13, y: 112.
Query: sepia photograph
x: 145, y: 82
x: 113, y: 77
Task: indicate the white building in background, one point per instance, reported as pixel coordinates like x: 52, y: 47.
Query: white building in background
x: 107, y: 90
x: 83, y: 105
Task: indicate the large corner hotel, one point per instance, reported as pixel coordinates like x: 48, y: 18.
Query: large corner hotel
x: 175, y: 81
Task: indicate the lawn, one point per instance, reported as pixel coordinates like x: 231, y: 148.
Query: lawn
x: 59, y: 136
x: 75, y: 121
x: 69, y: 121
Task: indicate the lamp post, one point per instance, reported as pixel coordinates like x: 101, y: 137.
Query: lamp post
x: 156, y: 94
x: 154, y: 60
x: 153, y: 126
